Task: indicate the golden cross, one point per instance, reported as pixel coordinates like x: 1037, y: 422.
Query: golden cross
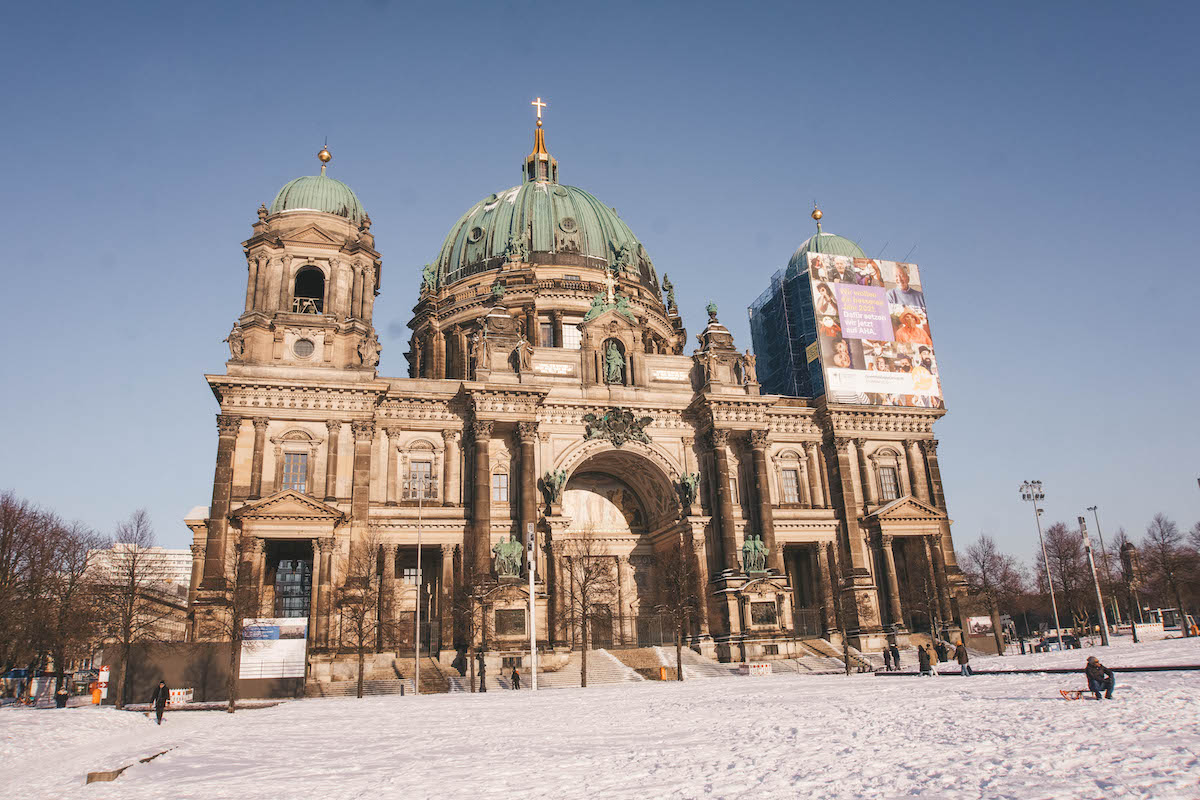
x: 540, y: 105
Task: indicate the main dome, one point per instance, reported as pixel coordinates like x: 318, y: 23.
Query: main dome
x: 318, y: 193
x: 538, y: 217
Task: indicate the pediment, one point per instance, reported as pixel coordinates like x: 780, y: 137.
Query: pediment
x: 309, y: 235
x: 907, y: 508
x: 610, y: 318
x: 289, y: 504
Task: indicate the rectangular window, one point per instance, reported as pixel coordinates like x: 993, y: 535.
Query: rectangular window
x: 888, y: 487
x: 763, y: 614
x: 547, y: 334
x: 408, y: 576
x: 733, y: 492
x: 420, y: 480
x: 571, y: 337
x: 295, y: 471
x: 500, y: 487
x: 510, y: 622
x: 791, y: 486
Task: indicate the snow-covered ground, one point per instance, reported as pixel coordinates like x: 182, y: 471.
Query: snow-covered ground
x: 781, y: 736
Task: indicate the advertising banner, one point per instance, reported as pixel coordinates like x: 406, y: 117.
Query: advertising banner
x: 873, y: 332
x: 274, y: 647
x: 979, y: 626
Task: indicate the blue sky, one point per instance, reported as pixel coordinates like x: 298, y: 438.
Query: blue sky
x: 1037, y: 160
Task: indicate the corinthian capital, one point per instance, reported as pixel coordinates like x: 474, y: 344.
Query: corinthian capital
x: 228, y: 424
x: 482, y: 428
x: 451, y: 436
x: 759, y: 439
x: 719, y: 437
x: 333, y: 426
x: 260, y: 424
x: 527, y: 431
x: 929, y: 446
x: 364, y: 429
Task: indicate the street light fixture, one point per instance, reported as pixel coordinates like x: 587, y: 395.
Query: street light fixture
x: 1031, y: 492
x: 1107, y: 568
x: 1087, y: 545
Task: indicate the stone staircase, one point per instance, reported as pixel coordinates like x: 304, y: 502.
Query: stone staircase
x: 350, y: 688
x: 603, y: 668
x: 383, y: 675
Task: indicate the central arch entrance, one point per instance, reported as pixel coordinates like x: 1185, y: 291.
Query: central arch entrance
x: 622, y: 510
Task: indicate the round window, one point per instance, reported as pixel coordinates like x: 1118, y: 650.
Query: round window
x: 475, y: 235
x: 303, y: 348
x: 568, y: 225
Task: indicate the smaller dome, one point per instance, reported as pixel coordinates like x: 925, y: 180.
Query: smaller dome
x: 827, y: 244
x: 318, y: 193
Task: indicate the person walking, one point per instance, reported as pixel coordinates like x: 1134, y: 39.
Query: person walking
x: 1100, y: 678
x: 923, y: 661
x: 482, y: 674
x: 895, y: 656
x: 60, y: 697
x: 964, y: 660
x: 159, y: 700
x: 516, y: 679
x: 887, y: 659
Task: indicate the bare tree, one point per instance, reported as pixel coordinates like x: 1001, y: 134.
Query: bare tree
x: 129, y: 580
x: 470, y: 619
x: 71, y: 612
x: 1167, y: 561
x: 592, y: 585
x: 22, y: 528
x: 243, y: 601
x: 677, y: 580
x: 994, y: 576
x: 1068, y: 570
x: 358, y: 602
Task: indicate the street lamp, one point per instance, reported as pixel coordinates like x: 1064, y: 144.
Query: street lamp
x: 1031, y: 491
x: 1087, y: 545
x: 1107, y: 569
x: 420, y: 487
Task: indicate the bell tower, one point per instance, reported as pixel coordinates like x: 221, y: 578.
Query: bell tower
x: 313, y: 273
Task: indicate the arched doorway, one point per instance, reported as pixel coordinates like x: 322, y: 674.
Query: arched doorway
x: 622, y: 510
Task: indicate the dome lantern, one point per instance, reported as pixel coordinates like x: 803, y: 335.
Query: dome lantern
x: 540, y: 166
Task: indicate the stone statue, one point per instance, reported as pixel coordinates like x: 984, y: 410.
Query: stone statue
x: 368, y: 351
x: 516, y: 249
x: 669, y: 288
x: 553, y: 483
x: 689, y: 488
x: 508, y: 557
x: 481, y: 351
x: 622, y: 306
x: 497, y: 290
x: 428, y: 278
x: 754, y: 554
x: 524, y: 351
x: 614, y: 364
x: 708, y: 362
x: 625, y: 258
x: 749, y: 368
x: 237, y: 344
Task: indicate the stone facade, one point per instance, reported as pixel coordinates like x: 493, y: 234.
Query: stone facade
x: 550, y: 392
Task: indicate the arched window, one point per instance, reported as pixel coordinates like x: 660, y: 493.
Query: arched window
x: 309, y: 296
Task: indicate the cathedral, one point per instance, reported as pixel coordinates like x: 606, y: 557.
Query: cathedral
x: 555, y: 418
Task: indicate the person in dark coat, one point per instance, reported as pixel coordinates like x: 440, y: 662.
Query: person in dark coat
x: 940, y: 649
x: 923, y: 661
x: 482, y: 674
x: 895, y: 656
x: 159, y: 700
x: 60, y: 697
x: 887, y: 659
x: 516, y: 679
x: 1100, y: 678
x: 960, y: 655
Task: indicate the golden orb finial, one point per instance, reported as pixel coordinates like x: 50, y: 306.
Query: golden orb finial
x: 817, y: 214
x: 325, y: 156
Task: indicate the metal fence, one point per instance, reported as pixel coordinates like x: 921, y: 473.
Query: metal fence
x: 809, y: 622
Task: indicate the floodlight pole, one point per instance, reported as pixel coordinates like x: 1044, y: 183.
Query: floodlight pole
x: 1087, y: 545
x: 530, y: 550
x: 1031, y: 491
x: 1108, y: 579
x: 417, y: 632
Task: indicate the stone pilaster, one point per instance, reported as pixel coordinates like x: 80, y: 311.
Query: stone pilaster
x: 814, y: 474
x: 387, y: 610
x: 762, y: 490
x: 527, y: 438
x: 829, y: 590
x: 391, y: 440
x: 334, y: 427
x: 939, y: 576
x: 865, y: 479
x: 886, y: 544
x: 324, y: 609
x: 197, y: 572
x: 452, y: 469
x: 935, y: 472
x: 916, y: 468
x: 216, y: 547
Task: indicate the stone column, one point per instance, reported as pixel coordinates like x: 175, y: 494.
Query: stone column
x: 829, y: 592
x: 887, y: 543
x: 439, y: 350
x: 368, y: 294
x: 451, y: 472
x: 334, y: 427
x: 557, y: 319
x: 218, y: 513
x: 865, y: 478
x: 916, y: 468
x: 314, y: 597
x: 700, y: 556
x: 445, y: 595
x: 356, y: 293
x: 532, y: 332
x: 802, y: 478
x: 935, y: 472
x: 258, y: 553
x: 625, y: 594
x: 814, y: 475
x: 826, y: 486
x: 387, y: 619
x: 939, y: 577
x: 263, y: 280
x: 720, y: 440
x: 762, y: 478
x: 324, y: 592
x: 251, y: 281
x: 391, y: 439
x: 285, y: 285
x: 360, y: 497
x: 197, y: 572
x: 527, y: 437
x: 844, y: 448
x: 481, y: 510
x: 256, y: 464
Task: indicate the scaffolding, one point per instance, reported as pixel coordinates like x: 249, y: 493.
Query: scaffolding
x: 782, y: 328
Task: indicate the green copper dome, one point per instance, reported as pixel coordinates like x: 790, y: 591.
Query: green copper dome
x: 539, y: 217
x: 318, y: 193
x: 826, y: 243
